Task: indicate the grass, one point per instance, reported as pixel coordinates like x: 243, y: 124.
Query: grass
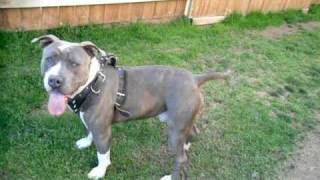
x: 249, y: 127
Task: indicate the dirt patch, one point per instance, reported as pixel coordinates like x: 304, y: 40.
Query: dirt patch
x: 277, y: 32
x: 305, y: 161
x: 287, y: 29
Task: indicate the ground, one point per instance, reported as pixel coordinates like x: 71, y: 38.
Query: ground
x: 251, y: 126
x: 304, y: 162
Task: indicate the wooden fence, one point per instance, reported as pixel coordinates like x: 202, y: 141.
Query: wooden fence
x: 49, y: 17
x: 225, y: 7
x: 30, y: 15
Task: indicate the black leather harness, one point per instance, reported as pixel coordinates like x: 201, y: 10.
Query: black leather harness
x: 92, y: 88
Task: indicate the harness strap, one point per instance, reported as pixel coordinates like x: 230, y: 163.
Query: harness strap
x: 121, y: 94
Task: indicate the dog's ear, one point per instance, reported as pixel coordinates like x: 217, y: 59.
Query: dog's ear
x: 45, y: 40
x: 90, y: 48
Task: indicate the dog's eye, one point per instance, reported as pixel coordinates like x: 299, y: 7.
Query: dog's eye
x: 50, y: 61
x: 74, y: 64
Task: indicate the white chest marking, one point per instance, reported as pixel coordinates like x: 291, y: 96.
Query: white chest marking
x: 82, y: 119
x: 53, y: 71
x: 167, y: 177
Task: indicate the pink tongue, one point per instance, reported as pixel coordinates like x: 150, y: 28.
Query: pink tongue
x: 57, y: 103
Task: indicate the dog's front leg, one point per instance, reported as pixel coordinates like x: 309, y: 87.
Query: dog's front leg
x: 101, y: 135
x: 86, y: 141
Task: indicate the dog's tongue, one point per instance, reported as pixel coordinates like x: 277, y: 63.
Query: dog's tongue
x: 57, y: 103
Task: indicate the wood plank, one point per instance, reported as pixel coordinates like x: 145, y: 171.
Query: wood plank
x: 12, y: 18
x: 181, y: 4
x: 207, y: 20
x: 272, y: 6
x: 96, y: 14
x: 148, y: 10
x: 238, y: 6
x: 31, y: 18
x: 221, y: 10
x: 137, y: 11
x: 67, y: 16
x: 216, y: 8
x: 56, y: 3
x: 160, y: 9
x: 294, y: 4
x: 256, y: 5
x: 124, y: 12
x: 306, y: 4
x: 205, y: 7
x: 82, y: 14
x: 196, y: 5
x: 3, y: 19
x: 50, y: 17
x: 172, y: 6
x: 111, y: 13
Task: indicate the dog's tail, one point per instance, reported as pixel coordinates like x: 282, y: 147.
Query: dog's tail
x: 202, y: 78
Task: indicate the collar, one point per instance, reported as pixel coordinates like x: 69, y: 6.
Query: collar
x: 76, y: 101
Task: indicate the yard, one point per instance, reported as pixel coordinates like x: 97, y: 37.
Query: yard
x: 250, y: 125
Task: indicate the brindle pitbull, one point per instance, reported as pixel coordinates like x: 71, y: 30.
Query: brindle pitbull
x: 173, y: 94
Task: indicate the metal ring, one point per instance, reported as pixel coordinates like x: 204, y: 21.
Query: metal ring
x: 95, y: 91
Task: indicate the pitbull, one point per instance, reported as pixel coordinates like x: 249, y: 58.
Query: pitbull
x: 74, y: 76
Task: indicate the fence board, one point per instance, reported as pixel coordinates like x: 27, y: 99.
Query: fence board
x: 67, y: 16
x: 82, y: 14
x: 148, y: 10
x: 96, y: 14
x: 124, y: 13
x: 31, y: 18
x: 13, y: 18
x: 137, y: 11
x: 50, y: 17
x: 181, y: 4
x: 240, y: 6
x: 111, y: 13
x: 172, y: 6
x: 161, y: 8
x: 278, y: 5
x: 255, y: 5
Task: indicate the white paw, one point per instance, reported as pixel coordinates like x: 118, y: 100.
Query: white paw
x: 187, y: 146
x: 167, y: 177
x: 97, y: 172
x: 83, y: 143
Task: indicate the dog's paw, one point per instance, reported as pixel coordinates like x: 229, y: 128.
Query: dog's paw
x: 167, y: 177
x: 187, y: 146
x: 97, y: 172
x: 83, y: 143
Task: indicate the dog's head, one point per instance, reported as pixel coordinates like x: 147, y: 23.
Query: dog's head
x: 66, y: 67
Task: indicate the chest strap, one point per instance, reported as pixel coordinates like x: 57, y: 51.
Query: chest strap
x: 122, y: 94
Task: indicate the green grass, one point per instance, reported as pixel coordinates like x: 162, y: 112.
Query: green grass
x: 246, y: 136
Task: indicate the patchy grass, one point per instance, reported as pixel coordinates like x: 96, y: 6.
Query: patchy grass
x: 243, y: 135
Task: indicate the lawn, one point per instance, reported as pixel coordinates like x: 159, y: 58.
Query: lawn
x: 250, y: 124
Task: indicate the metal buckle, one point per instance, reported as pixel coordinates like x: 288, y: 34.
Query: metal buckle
x: 102, y: 75
x: 120, y: 94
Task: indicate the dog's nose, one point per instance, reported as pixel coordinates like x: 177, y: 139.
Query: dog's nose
x: 55, y: 81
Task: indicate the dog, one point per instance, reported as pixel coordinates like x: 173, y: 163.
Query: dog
x: 84, y: 78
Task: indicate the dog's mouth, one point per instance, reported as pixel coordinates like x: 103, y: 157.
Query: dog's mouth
x: 57, y: 103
